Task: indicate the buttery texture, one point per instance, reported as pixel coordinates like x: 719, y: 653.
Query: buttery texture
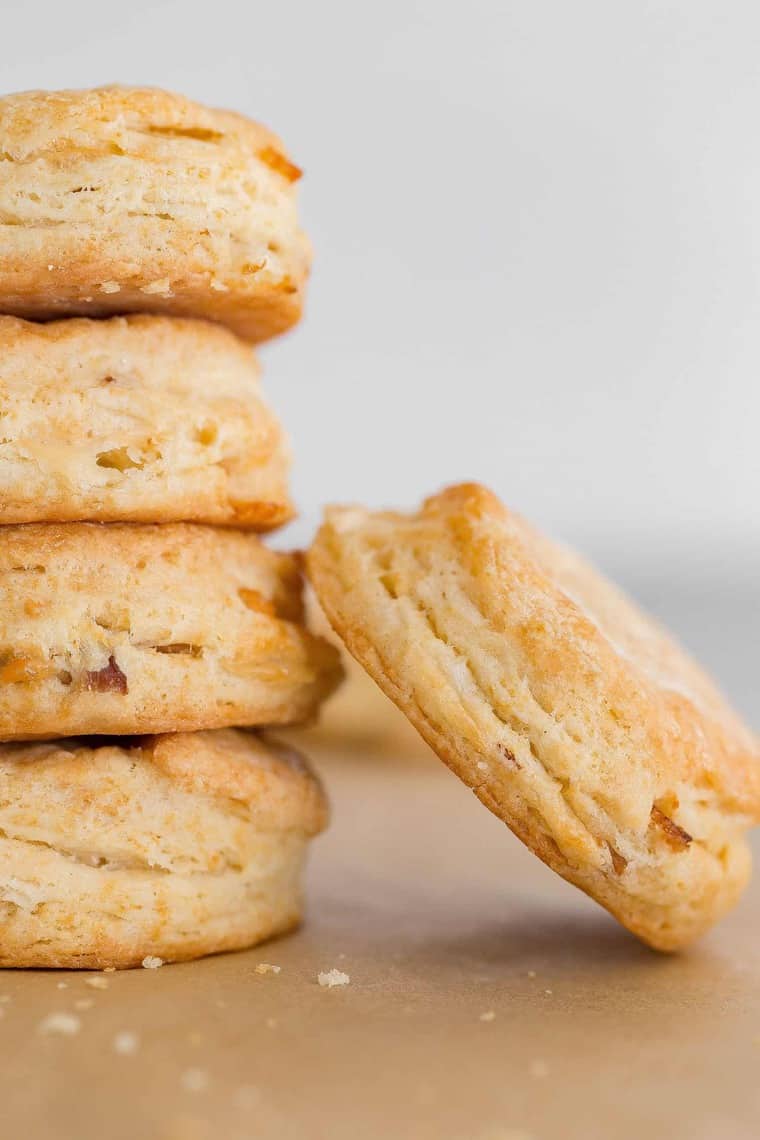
x: 571, y: 715
x: 139, y: 419
x: 166, y: 846
x: 122, y: 628
x: 123, y: 199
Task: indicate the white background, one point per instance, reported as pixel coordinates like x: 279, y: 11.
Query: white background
x: 537, y: 234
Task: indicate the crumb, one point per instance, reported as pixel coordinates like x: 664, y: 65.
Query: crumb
x: 151, y: 962
x: 97, y: 983
x: 265, y: 968
x: 62, y: 986
x: 63, y: 1024
x: 110, y: 287
x: 84, y: 1003
x: 539, y: 1069
x: 194, y: 1080
x: 531, y: 973
x: 109, y: 969
x: 482, y: 765
x: 162, y: 288
x: 271, y: 1023
x: 489, y: 1015
x: 549, y: 991
x: 126, y: 1043
x: 332, y: 978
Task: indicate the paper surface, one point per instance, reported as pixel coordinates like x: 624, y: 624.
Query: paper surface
x: 487, y: 999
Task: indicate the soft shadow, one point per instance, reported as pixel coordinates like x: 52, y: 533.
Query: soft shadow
x: 570, y: 944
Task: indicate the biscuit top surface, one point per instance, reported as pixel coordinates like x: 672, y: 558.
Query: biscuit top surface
x: 44, y: 121
x: 231, y: 764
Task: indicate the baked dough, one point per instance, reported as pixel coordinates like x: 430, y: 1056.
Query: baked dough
x: 166, y: 846
x: 570, y: 714
x: 123, y: 199
x: 121, y: 628
x: 136, y: 419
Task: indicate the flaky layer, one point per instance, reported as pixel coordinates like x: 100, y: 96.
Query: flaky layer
x: 124, y: 628
x: 139, y: 419
x: 172, y: 846
x: 124, y: 199
x: 571, y: 715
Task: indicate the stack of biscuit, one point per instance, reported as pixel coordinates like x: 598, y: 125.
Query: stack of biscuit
x: 145, y: 244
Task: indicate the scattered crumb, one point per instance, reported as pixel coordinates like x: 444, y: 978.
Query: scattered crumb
x: 110, y: 287
x: 549, y: 992
x: 266, y: 968
x: 151, y: 962
x: 84, y: 1003
x: 539, y: 1069
x: 194, y: 1080
x: 271, y: 1023
x: 109, y: 969
x: 341, y: 957
x: 64, y: 1024
x: 531, y: 973
x: 332, y: 978
x: 62, y: 986
x: 162, y: 288
x: 489, y: 1015
x: 126, y: 1043
x: 218, y: 286
x: 97, y: 983
x: 482, y: 765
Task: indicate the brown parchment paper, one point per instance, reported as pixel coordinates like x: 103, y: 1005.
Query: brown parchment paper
x: 487, y: 1000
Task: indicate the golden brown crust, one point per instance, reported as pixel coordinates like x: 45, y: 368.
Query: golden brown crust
x: 122, y: 628
x: 136, y: 419
x: 120, y: 199
x: 571, y: 715
x: 170, y: 846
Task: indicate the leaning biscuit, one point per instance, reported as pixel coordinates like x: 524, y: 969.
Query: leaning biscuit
x: 164, y: 846
x: 572, y: 716
x: 136, y: 419
x: 122, y: 199
x: 121, y: 628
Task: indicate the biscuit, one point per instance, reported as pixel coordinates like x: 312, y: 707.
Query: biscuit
x: 120, y: 200
x: 136, y: 419
x: 168, y: 846
x: 570, y: 714
x: 121, y: 628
